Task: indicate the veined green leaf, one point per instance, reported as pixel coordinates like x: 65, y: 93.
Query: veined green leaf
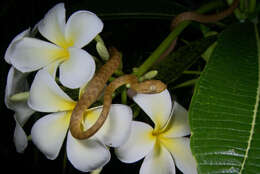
x: 224, y: 113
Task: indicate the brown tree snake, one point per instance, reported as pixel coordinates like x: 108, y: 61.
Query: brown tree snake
x: 96, y: 85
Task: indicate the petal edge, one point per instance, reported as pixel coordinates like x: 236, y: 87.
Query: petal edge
x: 138, y: 145
x: 82, y: 27
x: 87, y: 155
x: 53, y: 24
x: 78, y: 69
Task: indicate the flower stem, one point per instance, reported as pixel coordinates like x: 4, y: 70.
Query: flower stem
x: 97, y: 171
x: 192, y: 72
x: 171, y: 37
x: 124, y: 96
x: 252, y: 4
x: 64, y: 163
x: 187, y: 83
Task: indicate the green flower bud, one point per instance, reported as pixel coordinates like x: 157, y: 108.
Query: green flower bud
x: 102, y: 51
x: 20, y: 96
x: 149, y: 75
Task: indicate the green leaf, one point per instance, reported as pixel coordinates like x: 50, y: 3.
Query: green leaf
x: 172, y: 67
x: 206, y: 55
x: 224, y: 112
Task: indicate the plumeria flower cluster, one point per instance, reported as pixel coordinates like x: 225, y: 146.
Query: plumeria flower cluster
x: 164, y: 146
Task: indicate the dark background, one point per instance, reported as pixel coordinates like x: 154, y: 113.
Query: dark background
x: 136, y: 27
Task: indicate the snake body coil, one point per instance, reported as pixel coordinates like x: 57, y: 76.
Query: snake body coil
x: 96, y: 85
x: 94, y: 89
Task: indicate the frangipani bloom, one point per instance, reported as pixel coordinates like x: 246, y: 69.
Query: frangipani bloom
x: 76, y: 66
x: 163, y: 146
x: 17, y: 83
x: 48, y: 133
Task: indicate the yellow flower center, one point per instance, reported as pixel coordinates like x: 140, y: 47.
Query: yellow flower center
x: 156, y: 132
x: 64, y: 52
x: 160, y: 138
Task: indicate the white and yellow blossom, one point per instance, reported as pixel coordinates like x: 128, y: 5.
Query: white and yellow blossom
x: 76, y: 66
x: 163, y: 146
x: 49, y: 132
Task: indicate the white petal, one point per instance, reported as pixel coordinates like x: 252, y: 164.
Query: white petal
x: 53, y: 25
x: 82, y: 27
x: 86, y: 155
x: 159, y: 161
x: 16, y: 82
x: 29, y: 54
x: 139, y: 143
x: 20, y: 138
x: 52, y: 68
x: 48, y: 133
x: 23, y: 112
x: 78, y: 69
x: 46, y: 95
x: 116, y: 128
x: 178, y: 126
x: 181, y: 152
x: 17, y: 38
x: 156, y: 106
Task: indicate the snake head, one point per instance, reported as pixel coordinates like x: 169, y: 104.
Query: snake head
x: 150, y: 87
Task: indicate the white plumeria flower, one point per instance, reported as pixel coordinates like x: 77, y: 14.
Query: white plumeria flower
x: 76, y: 66
x: 17, y: 83
x: 49, y: 132
x: 163, y: 146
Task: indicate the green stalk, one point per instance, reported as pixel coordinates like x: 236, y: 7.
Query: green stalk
x: 192, y: 72
x: 124, y: 96
x: 97, y: 171
x: 242, y: 5
x: 171, y: 37
x: 187, y: 83
x: 252, y: 5
x: 64, y: 163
